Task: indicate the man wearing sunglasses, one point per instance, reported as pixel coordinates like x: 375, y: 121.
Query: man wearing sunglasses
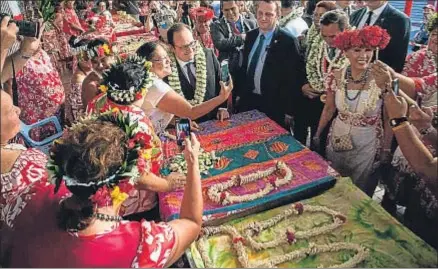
x: 197, y: 73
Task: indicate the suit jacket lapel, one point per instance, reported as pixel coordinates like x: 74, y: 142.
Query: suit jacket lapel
x: 359, y: 17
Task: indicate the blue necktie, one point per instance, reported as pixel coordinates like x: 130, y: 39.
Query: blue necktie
x: 254, y: 61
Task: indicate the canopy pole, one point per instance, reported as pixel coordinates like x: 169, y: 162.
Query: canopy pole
x: 408, y: 7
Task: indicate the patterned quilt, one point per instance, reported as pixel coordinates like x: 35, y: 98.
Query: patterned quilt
x: 250, y: 142
x: 366, y: 236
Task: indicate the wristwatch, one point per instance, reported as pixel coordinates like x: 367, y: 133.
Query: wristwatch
x: 426, y: 131
x: 397, y: 121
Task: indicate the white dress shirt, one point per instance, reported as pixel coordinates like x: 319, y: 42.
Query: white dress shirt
x: 376, y: 15
x: 183, y: 64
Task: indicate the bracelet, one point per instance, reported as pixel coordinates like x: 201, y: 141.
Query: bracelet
x: 402, y: 125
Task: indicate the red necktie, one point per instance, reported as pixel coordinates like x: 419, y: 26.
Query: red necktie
x: 235, y: 29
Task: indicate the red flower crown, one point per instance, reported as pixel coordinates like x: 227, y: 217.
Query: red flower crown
x: 367, y: 37
x: 201, y: 14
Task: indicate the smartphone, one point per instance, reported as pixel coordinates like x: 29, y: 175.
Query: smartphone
x: 395, y: 86
x: 182, y: 131
x: 225, y: 71
x: 419, y: 99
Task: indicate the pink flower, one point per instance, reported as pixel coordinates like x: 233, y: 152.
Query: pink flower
x: 102, y: 197
x: 131, y: 143
x: 299, y: 207
x: 290, y: 237
x: 141, y: 165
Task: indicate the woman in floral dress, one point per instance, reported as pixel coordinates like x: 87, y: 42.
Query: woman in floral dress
x: 129, y: 100
x: 71, y: 25
x: 356, y: 141
x: 75, y: 222
x: 404, y: 186
x: 40, y: 94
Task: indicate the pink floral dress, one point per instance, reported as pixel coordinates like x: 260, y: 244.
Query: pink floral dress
x: 31, y: 237
x: 40, y: 93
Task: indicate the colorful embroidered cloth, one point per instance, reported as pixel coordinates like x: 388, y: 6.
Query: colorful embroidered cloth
x: 250, y: 142
x: 390, y: 244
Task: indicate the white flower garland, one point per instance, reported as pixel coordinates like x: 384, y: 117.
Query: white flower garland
x: 239, y: 241
x: 218, y: 194
x: 317, y: 59
x: 296, y: 13
x: 207, y: 160
x: 370, y: 103
x: 201, y: 77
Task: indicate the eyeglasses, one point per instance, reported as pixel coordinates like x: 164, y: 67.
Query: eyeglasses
x: 192, y: 46
x: 161, y: 60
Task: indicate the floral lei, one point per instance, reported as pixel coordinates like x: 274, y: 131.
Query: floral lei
x: 116, y: 187
x: 296, y: 13
x: 201, y: 77
x: 246, y: 237
x: 319, y: 64
x: 132, y: 94
x: 312, y: 37
x: 98, y: 51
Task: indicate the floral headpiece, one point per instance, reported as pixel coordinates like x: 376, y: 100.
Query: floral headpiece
x: 127, y: 80
x: 367, y: 37
x: 96, y: 51
x: 432, y: 22
x: 201, y: 14
x: 115, y: 187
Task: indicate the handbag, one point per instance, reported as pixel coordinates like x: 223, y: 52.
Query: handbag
x: 344, y: 142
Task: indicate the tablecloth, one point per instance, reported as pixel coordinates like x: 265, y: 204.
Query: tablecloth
x: 247, y: 143
x: 388, y: 243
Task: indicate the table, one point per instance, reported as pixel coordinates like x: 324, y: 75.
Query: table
x: 128, y: 44
x: 387, y: 242
x: 247, y: 143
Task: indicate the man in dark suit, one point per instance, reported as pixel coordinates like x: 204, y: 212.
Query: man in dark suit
x: 185, y: 49
x: 274, y: 67
x: 397, y: 24
x: 228, y: 34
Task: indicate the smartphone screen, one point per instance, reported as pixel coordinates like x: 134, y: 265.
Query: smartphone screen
x: 225, y: 71
x: 395, y: 86
x: 182, y: 131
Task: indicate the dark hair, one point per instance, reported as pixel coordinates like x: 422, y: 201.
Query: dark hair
x: 125, y: 75
x: 147, y: 50
x: 176, y: 28
x: 287, y: 3
x: 90, y: 152
x: 327, y: 5
x: 335, y: 16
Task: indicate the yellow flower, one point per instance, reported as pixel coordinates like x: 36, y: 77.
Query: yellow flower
x: 143, y: 91
x: 148, y: 65
x: 115, y: 110
x: 106, y: 49
x: 103, y: 88
x: 118, y: 197
x: 147, y: 154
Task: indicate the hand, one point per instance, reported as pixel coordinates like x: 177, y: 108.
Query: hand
x: 8, y: 33
x: 176, y: 181
x: 396, y: 106
x: 420, y: 118
x: 222, y: 114
x: 309, y: 91
x: 226, y: 89
x: 30, y: 45
x: 315, y: 145
x: 191, y: 150
x: 289, y: 121
x: 381, y: 73
x: 243, y: 36
x: 194, y: 126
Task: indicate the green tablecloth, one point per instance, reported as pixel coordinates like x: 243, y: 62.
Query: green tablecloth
x: 390, y: 244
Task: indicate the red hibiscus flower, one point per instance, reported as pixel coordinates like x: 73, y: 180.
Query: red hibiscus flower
x: 131, y: 143
x: 143, y: 138
x: 138, y: 96
x: 141, y: 165
x: 290, y: 237
x: 125, y: 186
x: 102, y: 197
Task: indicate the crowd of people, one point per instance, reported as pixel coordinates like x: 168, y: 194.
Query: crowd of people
x: 336, y: 73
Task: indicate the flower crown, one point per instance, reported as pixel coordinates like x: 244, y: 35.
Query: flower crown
x: 433, y: 22
x: 127, y: 94
x: 136, y: 160
x: 367, y: 37
x: 201, y: 14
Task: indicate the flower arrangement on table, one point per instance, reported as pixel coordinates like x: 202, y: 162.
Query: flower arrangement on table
x: 243, y: 239
x: 218, y: 193
x: 178, y: 164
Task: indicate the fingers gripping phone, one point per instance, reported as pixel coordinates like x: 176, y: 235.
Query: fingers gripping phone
x: 395, y: 86
x: 182, y: 131
x: 225, y: 71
